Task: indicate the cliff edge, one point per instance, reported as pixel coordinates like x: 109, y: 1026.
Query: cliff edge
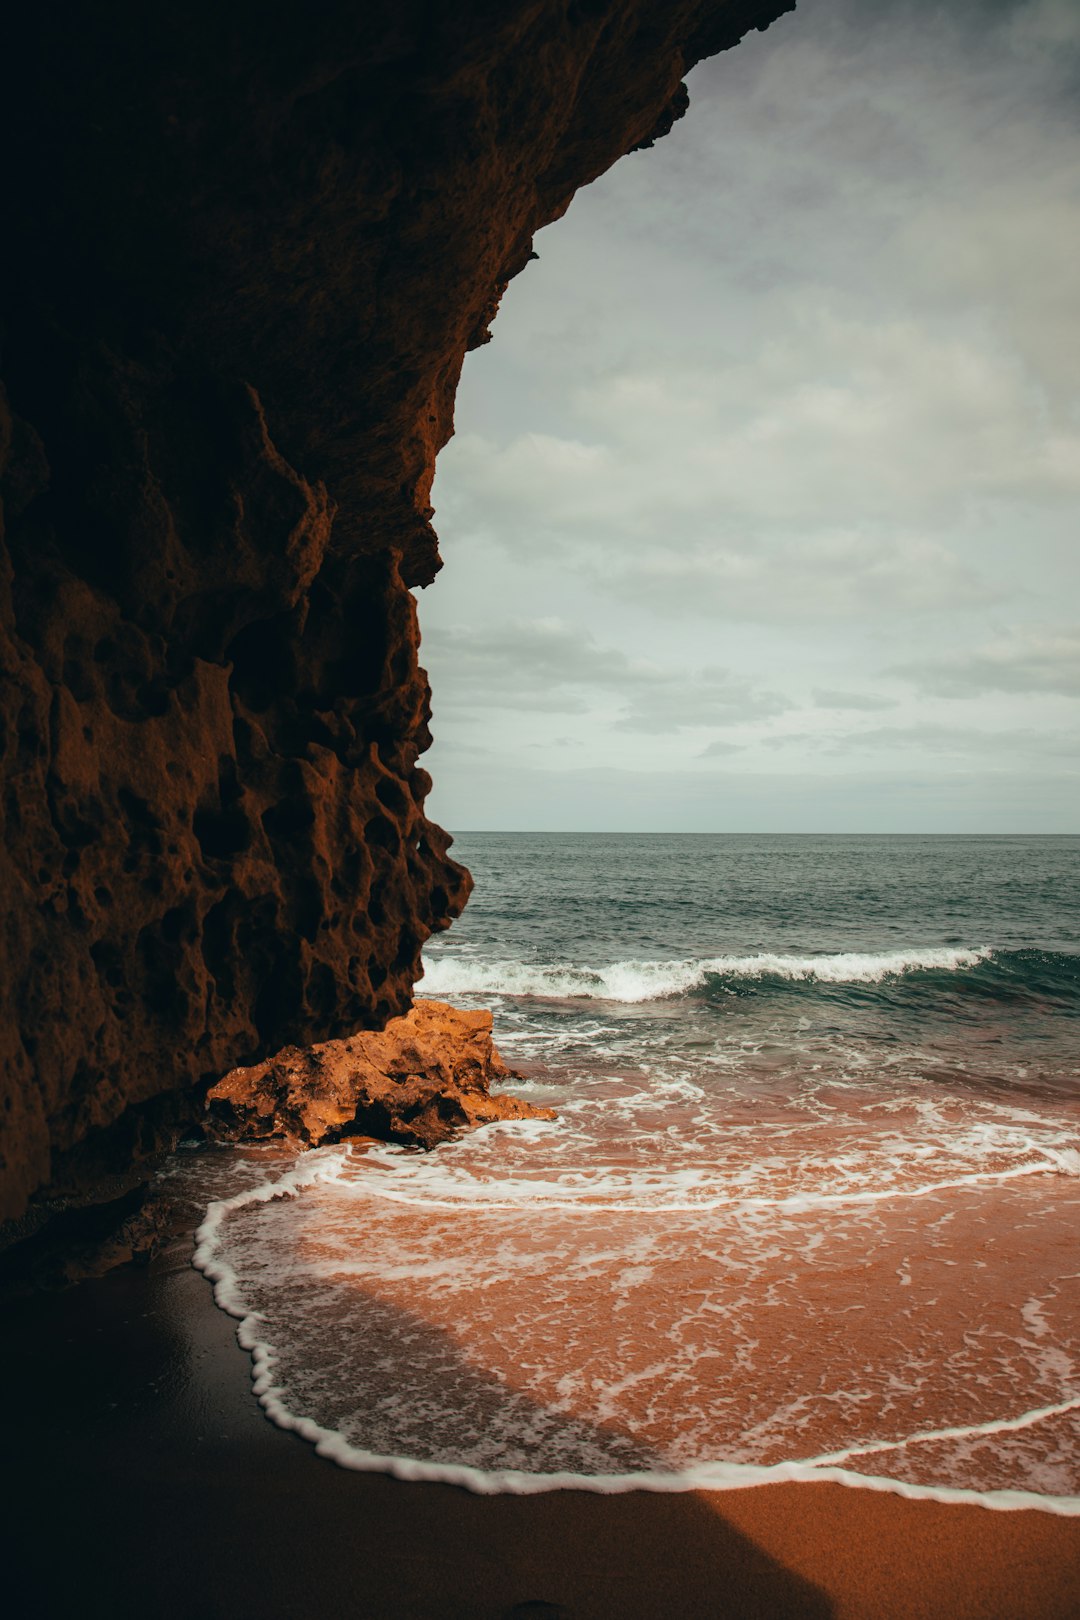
x: 246, y: 250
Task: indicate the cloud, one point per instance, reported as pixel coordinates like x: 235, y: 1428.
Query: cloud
x: 670, y: 700
x: 862, y: 343
x: 542, y: 664
x: 960, y: 741
x: 654, y: 526
x: 828, y: 699
x: 1000, y: 749
x: 553, y: 666
x: 1037, y: 659
x: 814, y: 579
x: 784, y: 400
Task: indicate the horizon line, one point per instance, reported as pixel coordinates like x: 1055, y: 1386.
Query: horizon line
x: 675, y: 832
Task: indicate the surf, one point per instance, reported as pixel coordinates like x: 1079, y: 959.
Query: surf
x: 634, y: 981
x: 807, y: 1210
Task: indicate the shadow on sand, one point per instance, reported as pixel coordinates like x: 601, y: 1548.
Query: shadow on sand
x: 143, y: 1479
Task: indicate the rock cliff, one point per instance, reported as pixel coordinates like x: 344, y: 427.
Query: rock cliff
x: 246, y: 249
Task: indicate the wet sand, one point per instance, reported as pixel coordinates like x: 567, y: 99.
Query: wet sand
x: 532, y: 1300
x: 142, y: 1479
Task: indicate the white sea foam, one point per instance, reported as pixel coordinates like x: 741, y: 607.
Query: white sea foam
x: 635, y: 980
x: 744, y: 1252
x: 438, y: 1184
x: 298, y: 1280
x: 842, y: 1465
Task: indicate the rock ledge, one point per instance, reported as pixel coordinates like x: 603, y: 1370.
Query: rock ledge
x: 422, y: 1080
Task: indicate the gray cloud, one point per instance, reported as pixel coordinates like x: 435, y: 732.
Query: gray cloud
x: 827, y: 699
x: 789, y: 405
x: 1045, y: 659
x: 960, y: 741
x: 709, y: 697
x: 557, y: 667
x: 686, y: 504
x: 1001, y: 749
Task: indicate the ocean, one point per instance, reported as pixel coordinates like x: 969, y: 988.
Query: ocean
x: 809, y: 1208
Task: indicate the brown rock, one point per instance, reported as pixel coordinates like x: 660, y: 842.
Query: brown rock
x: 422, y: 1080
x: 246, y: 250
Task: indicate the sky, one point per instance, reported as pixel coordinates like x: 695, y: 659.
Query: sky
x: 762, y: 509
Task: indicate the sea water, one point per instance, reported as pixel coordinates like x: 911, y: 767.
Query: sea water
x: 809, y: 1208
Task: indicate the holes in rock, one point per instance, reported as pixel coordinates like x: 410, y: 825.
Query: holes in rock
x: 122, y: 698
x: 382, y: 834
x: 322, y: 991
x: 279, y: 1003
x: 162, y: 986
x: 223, y: 829
x: 389, y: 793
x: 144, y: 828
x: 78, y: 682
x: 440, y: 900
x: 307, y: 911
x: 108, y: 961
x: 408, y: 949
x: 30, y: 740
x: 143, y: 836
x: 353, y: 622
x: 219, y: 944
x: 289, y: 820
x: 263, y: 661
x: 178, y: 923
x: 78, y: 821
x: 31, y: 743
x: 352, y: 872
x: 153, y: 699
x: 222, y: 833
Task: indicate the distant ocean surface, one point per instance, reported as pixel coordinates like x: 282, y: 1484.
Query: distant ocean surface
x: 810, y: 1207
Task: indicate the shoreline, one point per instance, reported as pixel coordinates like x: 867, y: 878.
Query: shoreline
x: 151, y: 1482
x: 717, y: 1478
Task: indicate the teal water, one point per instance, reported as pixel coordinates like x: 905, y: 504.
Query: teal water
x: 962, y: 953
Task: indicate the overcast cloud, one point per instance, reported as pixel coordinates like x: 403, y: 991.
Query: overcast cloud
x: 772, y: 470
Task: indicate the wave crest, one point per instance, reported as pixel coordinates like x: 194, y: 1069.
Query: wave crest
x: 635, y: 981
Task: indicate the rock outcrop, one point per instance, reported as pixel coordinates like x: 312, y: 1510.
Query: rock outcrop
x: 422, y: 1080
x: 246, y: 249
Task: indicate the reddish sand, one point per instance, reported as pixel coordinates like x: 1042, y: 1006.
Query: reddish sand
x: 143, y: 1480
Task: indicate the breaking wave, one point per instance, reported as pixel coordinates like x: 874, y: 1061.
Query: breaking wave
x: 1009, y: 973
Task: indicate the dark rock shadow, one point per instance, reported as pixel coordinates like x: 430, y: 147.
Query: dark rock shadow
x: 143, y: 1479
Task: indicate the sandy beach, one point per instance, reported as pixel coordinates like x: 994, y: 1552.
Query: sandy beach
x: 143, y: 1478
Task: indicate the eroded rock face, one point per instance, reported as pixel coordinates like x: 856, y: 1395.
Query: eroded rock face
x: 421, y: 1081
x: 246, y: 251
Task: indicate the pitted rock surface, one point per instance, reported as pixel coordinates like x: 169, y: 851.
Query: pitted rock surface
x: 247, y: 248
